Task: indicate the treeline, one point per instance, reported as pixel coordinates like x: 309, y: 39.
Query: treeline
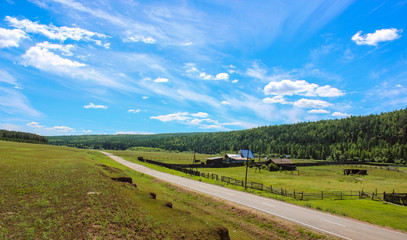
x: 113, y: 142
x: 373, y: 138
x: 22, y: 137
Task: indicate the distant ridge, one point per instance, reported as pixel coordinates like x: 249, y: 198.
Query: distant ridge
x: 377, y: 138
x: 16, y: 136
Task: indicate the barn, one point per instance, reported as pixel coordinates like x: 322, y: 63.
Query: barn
x: 284, y: 164
x: 214, y: 161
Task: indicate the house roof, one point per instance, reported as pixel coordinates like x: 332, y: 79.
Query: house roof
x: 282, y: 161
x: 244, y: 153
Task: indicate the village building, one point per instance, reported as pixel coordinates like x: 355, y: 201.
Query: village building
x: 284, y: 164
x: 241, y: 157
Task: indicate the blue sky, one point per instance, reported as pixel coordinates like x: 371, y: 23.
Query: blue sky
x: 94, y: 67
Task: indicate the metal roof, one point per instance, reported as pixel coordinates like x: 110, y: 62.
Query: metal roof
x: 244, y: 153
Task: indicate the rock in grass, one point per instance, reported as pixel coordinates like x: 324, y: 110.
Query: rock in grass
x: 168, y: 204
x: 153, y: 195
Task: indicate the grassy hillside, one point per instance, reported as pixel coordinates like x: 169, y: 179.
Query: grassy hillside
x: 50, y: 192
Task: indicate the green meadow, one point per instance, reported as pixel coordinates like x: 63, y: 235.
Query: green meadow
x: 314, y: 180
x: 50, y: 192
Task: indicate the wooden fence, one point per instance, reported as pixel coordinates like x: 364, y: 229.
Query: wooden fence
x: 397, y: 198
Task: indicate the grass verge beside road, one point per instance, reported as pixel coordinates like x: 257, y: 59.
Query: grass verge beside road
x: 320, y: 178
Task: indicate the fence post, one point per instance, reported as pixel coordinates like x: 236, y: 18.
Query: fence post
x: 322, y: 195
x: 341, y: 195
x: 302, y: 195
x: 294, y: 194
x: 271, y: 188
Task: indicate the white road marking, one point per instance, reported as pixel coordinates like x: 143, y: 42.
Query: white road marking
x: 268, y: 204
x: 333, y: 222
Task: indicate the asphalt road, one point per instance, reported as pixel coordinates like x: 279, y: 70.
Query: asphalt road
x: 340, y: 227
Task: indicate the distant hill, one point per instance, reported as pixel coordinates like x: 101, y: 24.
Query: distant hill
x: 380, y: 138
x: 16, y: 136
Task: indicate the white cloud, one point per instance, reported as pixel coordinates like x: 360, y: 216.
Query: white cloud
x: 64, y: 129
x: 318, y: 111
x: 161, y: 80
x: 145, y: 97
x: 60, y: 129
x: 56, y: 33
x: 86, y: 131
x: 222, y: 76
x: 378, y: 36
x: 140, y: 38
x: 91, y: 105
x: 40, y: 57
x: 328, y: 91
x: 200, y: 115
x: 11, y: 37
x: 310, y: 103
x: 235, y: 81
x: 341, y: 115
x: 64, y: 49
x: 172, y: 117
x: 300, y: 87
x: 195, y: 72
x: 34, y: 125
x: 197, y: 119
x: 134, y: 110
x: 225, y: 103
x: 276, y: 99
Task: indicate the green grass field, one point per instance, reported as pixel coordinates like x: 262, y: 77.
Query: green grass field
x: 317, y: 179
x: 50, y: 192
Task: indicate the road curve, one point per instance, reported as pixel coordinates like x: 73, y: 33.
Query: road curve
x: 323, y: 222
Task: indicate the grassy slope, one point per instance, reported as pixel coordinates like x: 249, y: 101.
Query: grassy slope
x: 316, y: 179
x: 45, y: 193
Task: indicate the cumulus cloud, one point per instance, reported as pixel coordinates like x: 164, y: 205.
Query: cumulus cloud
x: 60, y: 129
x: 276, y: 99
x: 311, y: 103
x: 222, y: 76
x: 140, y: 38
x: 56, y: 33
x: 300, y: 87
x: 173, y: 116
x: 199, y: 119
x: 161, y: 80
x: 191, y: 68
x: 40, y: 57
x: 134, y: 110
x: 372, y: 39
x: 235, y: 81
x: 340, y: 115
x: 11, y: 37
x: 34, y: 125
x: 200, y: 115
x: 318, y: 111
x: 91, y: 105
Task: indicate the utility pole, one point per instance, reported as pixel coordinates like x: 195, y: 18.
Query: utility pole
x: 247, y: 167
